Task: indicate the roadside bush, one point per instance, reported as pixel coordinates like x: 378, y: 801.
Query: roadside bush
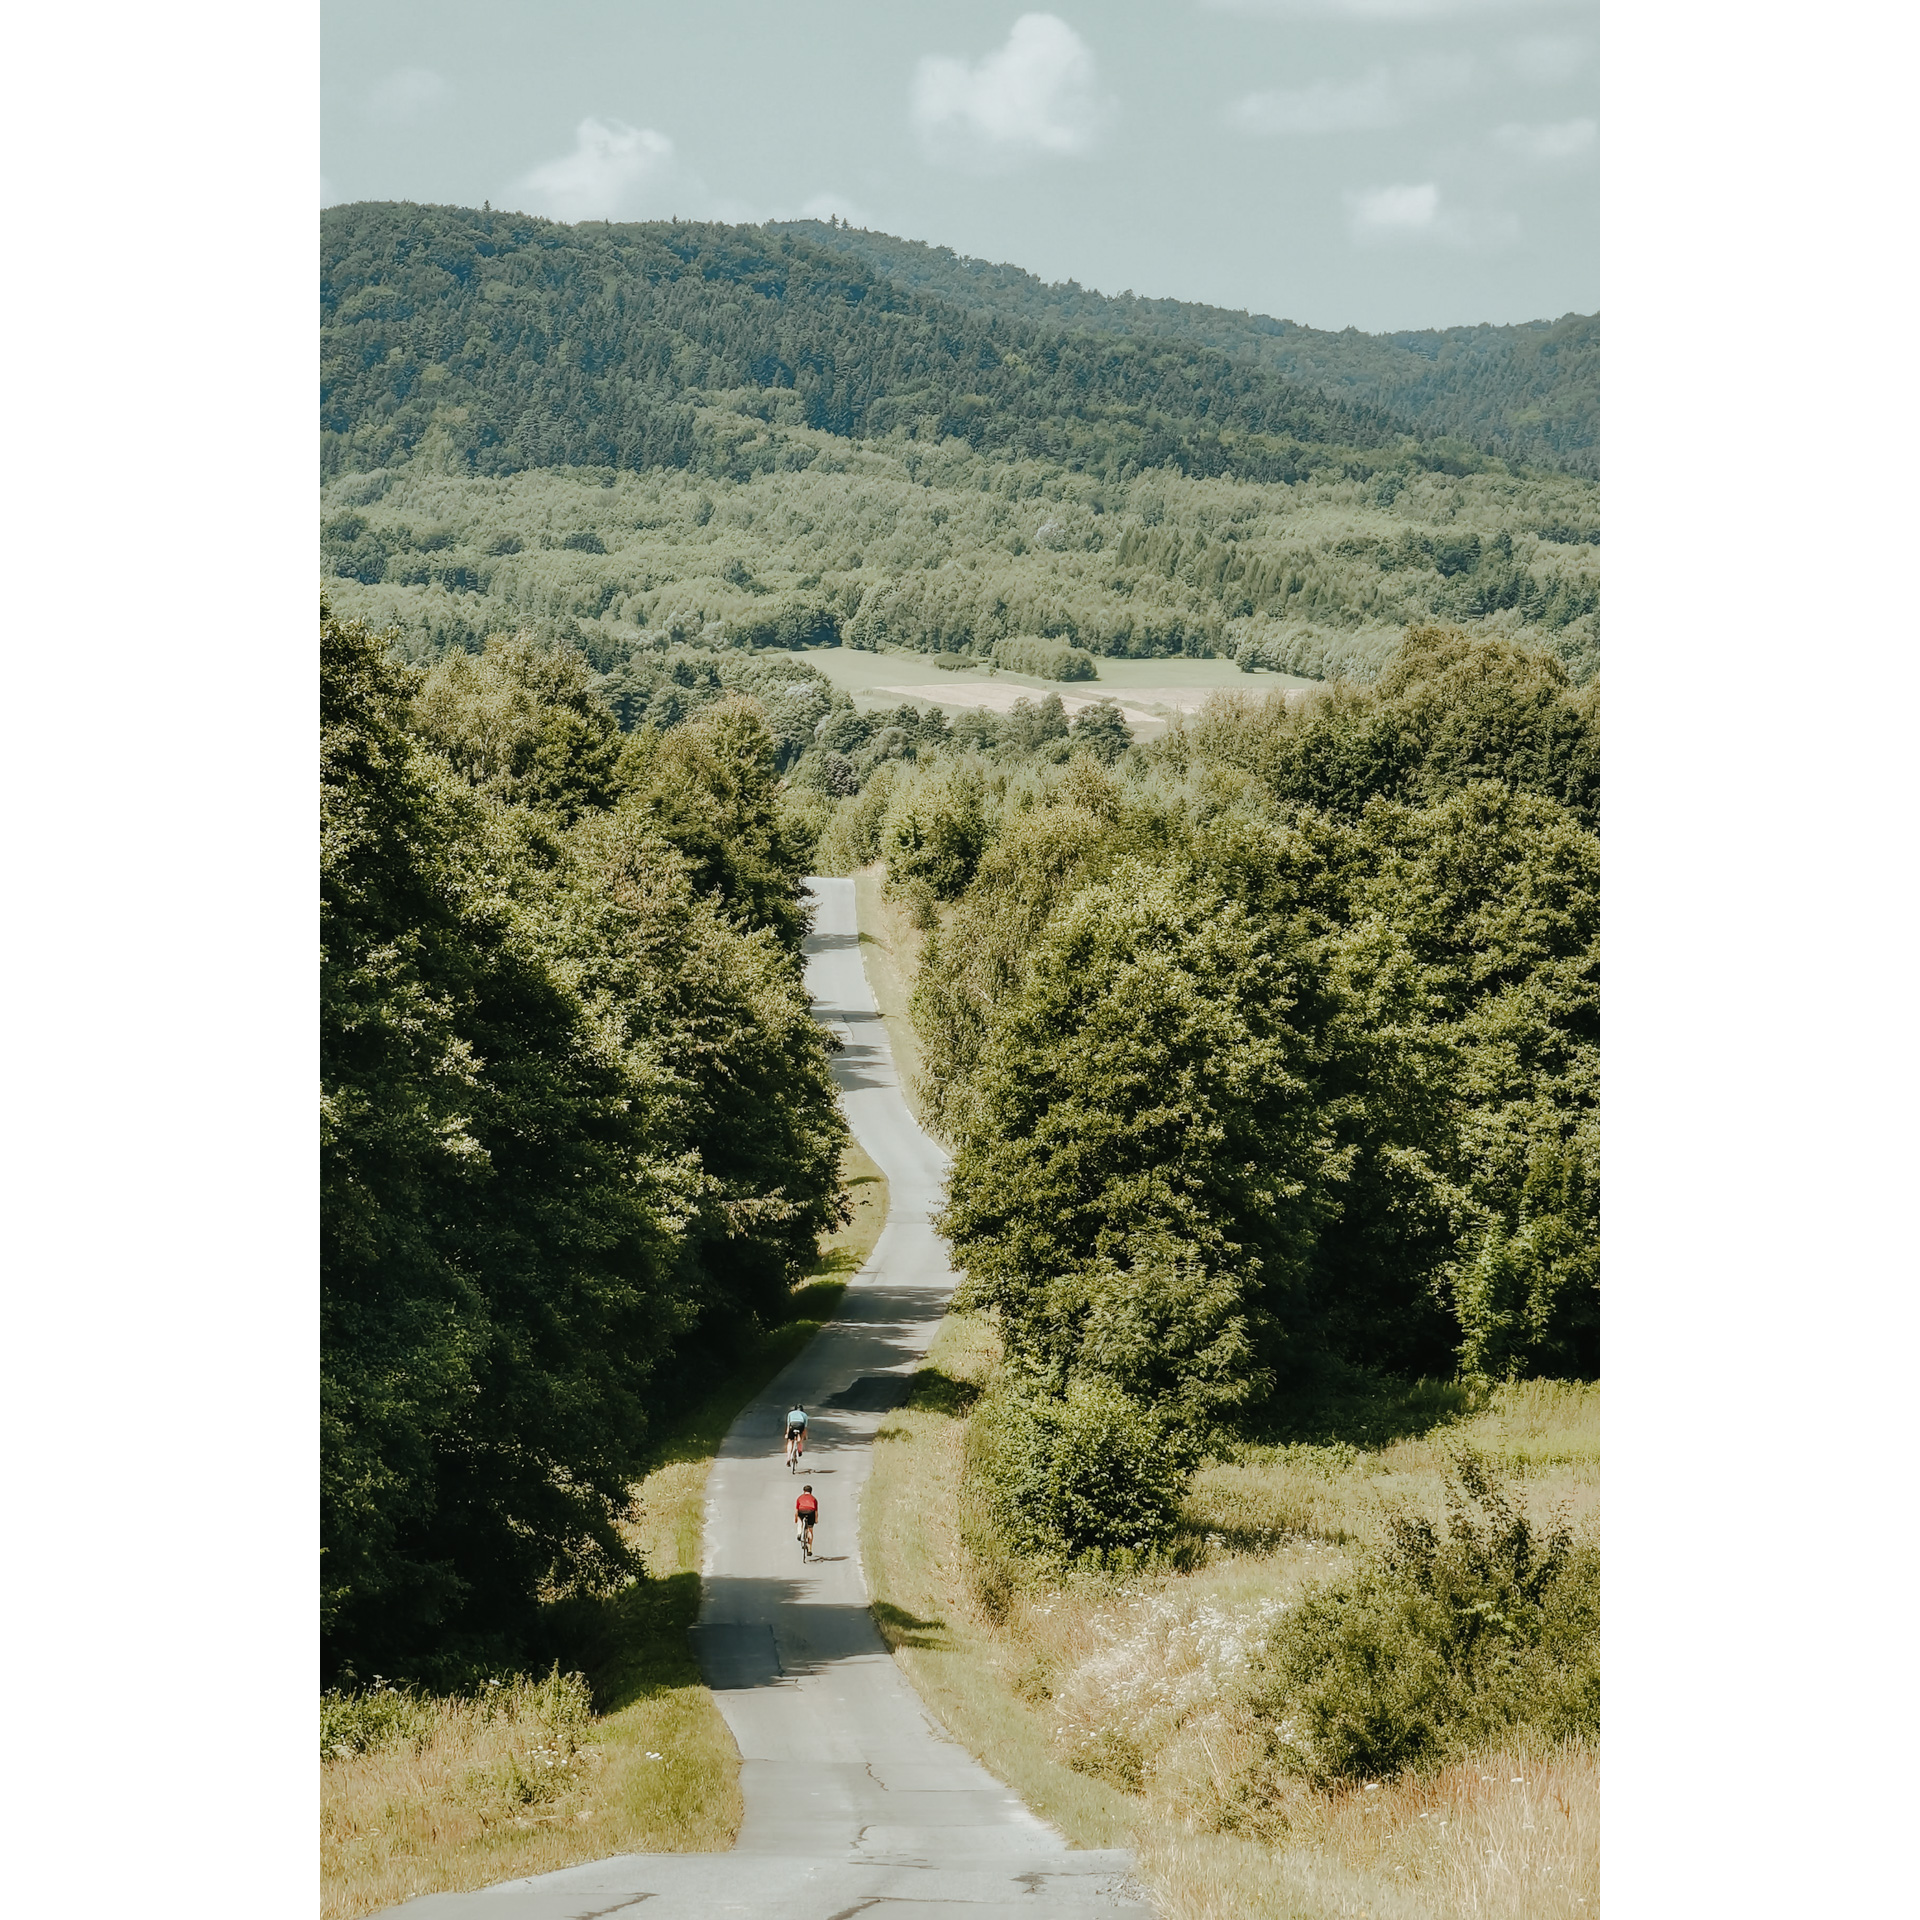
x: 1094, y: 1478
x: 935, y: 828
x: 1437, y: 1645
x: 551, y: 1719
x: 1045, y: 659
x: 363, y: 1720
x: 851, y: 838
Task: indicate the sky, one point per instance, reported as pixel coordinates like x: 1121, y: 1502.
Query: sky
x: 1374, y: 163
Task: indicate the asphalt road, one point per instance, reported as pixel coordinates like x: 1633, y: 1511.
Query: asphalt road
x: 855, y: 1799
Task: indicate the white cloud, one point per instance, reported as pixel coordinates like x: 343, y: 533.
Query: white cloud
x: 408, y: 93
x: 1395, y: 210
x: 1561, y: 140
x: 1039, y: 94
x: 1327, y: 106
x: 1377, y: 99
x: 1377, y: 215
x: 1545, y: 58
x: 615, y: 172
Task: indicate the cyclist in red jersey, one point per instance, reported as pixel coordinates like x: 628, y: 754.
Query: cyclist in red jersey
x: 806, y: 1510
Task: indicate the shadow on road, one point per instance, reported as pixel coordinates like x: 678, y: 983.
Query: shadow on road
x: 902, y: 1629
x: 940, y: 1392
x: 769, y: 1632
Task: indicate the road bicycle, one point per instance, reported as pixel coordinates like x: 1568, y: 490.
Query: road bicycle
x: 803, y: 1530
x: 796, y: 1444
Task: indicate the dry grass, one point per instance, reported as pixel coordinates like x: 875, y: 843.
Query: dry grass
x: 528, y: 1777
x: 844, y: 1251
x: 1543, y: 1434
x: 891, y: 945
x: 490, y: 1791
x: 1117, y: 1709
x: 1503, y: 1836
x: 980, y: 1681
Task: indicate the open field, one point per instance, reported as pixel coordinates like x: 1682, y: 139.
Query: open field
x: 1149, y: 691
x: 629, y: 1755
x: 1117, y: 1708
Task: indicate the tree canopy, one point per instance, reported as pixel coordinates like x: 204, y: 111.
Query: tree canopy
x: 579, y: 1132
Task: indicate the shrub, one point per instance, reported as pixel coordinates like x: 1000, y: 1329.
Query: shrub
x: 1044, y: 659
x: 1092, y: 1477
x: 550, y: 1718
x: 1529, y: 1297
x: 1438, y: 1645
x: 365, y: 1720
x: 851, y: 837
x: 935, y: 829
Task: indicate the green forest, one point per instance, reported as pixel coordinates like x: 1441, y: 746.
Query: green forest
x: 579, y: 1134
x: 882, y: 546
x: 1266, y: 1049
x: 625, y: 438
x: 1271, y: 1042
x: 1529, y: 393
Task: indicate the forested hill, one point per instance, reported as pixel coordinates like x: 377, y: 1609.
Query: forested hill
x: 1529, y: 393
x: 499, y: 342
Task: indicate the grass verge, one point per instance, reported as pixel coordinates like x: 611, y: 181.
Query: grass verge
x: 890, y: 946
x: 627, y: 1754
x: 1119, y: 1708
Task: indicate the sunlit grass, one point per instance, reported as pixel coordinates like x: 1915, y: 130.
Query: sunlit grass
x: 890, y: 946
x: 1118, y: 1709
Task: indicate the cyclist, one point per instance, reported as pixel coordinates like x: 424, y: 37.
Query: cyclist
x: 806, y: 1510
x: 796, y: 1436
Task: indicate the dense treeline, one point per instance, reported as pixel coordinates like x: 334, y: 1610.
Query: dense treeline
x: 1529, y: 392
x: 502, y: 342
x: 579, y: 1132
x: 946, y: 551
x: 1273, y: 1041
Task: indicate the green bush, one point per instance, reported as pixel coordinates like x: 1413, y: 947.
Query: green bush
x: 1529, y: 1296
x: 1045, y: 659
x: 1093, y: 1478
x: 851, y: 837
x: 935, y: 829
x: 556, y: 1711
x: 1438, y: 1645
x: 363, y: 1720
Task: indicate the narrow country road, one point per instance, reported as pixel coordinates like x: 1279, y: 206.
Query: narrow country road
x: 855, y: 1800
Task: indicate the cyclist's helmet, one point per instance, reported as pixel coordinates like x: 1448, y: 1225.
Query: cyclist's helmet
x: 808, y: 1488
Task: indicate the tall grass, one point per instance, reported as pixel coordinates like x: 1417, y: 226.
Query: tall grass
x: 1509, y: 1835
x: 1125, y: 1709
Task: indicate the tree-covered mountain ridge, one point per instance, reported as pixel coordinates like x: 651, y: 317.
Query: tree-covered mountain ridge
x: 501, y: 342
x: 1528, y: 392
